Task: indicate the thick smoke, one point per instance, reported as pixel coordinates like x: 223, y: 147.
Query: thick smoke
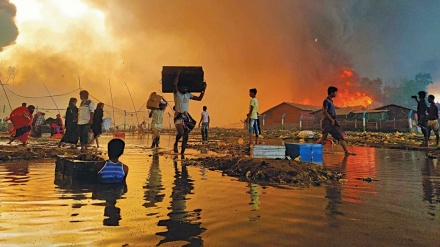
x: 8, y: 29
x: 289, y: 50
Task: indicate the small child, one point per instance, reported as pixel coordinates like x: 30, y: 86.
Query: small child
x: 205, y: 120
x: 156, y: 124
x: 113, y: 171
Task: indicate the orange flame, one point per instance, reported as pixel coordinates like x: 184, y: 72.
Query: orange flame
x: 350, y: 94
x: 347, y: 98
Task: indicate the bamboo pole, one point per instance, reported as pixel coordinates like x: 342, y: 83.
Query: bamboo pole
x: 111, y: 95
x: 4, y: 90
x: 134, y: 107
x: 52, y: 99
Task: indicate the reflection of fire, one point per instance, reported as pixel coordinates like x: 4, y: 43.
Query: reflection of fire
x: 350, y: 94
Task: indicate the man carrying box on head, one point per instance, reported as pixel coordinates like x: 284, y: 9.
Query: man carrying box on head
x: 183, y: 121
x: 156, y: 123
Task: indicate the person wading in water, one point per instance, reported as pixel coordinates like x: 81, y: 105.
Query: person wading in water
x: 183, y: 121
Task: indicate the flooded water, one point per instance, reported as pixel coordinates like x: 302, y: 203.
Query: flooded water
x: 166, y: 204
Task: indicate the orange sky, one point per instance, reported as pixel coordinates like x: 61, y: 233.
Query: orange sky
x: 270, y: 45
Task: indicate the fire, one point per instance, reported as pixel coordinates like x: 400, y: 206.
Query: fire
x: 348, y: 98
x: 346, y: 74
x: 349, y: 93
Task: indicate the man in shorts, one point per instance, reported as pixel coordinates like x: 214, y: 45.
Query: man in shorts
x: 329, y: 123
x: 182, y: 120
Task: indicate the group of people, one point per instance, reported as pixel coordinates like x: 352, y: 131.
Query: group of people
x: 329, y: 122
x: 79, y: 122
x: 82, y: 121
x: 427, y: 117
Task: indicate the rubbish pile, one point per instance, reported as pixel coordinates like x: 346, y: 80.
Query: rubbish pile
x: 270, y: 171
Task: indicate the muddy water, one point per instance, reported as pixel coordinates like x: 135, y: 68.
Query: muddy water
x: 166, y: 204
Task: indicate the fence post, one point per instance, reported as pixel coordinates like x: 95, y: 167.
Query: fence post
x: 409, y: 120
x: 394, y: 124
x: 300, y: 122
x: 263, y: 117
x: 363, y: 120
x: 282, y: 120
x: 169, y: 119
x: 125, y: 119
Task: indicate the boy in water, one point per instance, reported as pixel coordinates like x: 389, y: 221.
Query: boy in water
x: 205, y: 120
x: 252, y: 116
x: 156, y: 124
x: 329, y: 123
x: 112, y: 171
x: 433, y: 119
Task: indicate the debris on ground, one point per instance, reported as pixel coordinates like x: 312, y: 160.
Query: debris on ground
x: 271, y: 171
x: 33, y: 152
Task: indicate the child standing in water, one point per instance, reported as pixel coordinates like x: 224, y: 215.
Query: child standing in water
x: 156, y: 124
x: 205, y: 120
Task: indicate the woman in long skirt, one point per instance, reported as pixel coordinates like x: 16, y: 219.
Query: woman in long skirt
x: 97, y: 123
x: 71, y: 133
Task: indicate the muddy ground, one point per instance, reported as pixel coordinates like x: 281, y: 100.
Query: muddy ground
x: 270, y: 171
x: 235, y: 161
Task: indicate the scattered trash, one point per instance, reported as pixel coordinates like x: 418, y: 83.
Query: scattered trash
x: 367, y: 179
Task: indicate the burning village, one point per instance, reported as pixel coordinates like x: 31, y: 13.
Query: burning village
x: 231, y: 123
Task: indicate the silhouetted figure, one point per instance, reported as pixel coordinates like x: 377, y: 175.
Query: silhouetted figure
x: 71, y: 124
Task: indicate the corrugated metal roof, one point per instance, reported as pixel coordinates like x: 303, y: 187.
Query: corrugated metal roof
x: 305, y: 107
x: 339, y: 111
x: 404, y: 107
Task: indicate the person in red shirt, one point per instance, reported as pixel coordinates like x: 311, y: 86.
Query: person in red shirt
x: 21, y: 119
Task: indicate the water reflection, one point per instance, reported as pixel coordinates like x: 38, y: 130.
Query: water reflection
x: 255, y: 197
x: 154, y: 186
x: 17, y: 173
x: 431, y: 181
x: 334, y: 195
x: 79, y: 191
x: 110, y: 193
x: 182, y: 225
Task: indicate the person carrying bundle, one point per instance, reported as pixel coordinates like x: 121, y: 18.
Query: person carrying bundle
x: 183, y: 121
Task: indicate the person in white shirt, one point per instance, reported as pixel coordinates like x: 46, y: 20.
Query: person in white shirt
x: 252, y: 116
x: 205, y: 120
x: 183, y: 121
x: 85, y: 118
x: 156, y: 124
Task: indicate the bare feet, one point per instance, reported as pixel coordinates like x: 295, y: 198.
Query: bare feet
x: 347, y: 153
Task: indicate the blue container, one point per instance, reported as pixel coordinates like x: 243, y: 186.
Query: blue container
x: 317, y: 153
x: 307, y: 152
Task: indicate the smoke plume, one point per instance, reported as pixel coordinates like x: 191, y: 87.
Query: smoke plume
x: 8, y: 29
x: 289, y: 50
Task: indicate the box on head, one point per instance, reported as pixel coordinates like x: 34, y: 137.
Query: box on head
x: 191, y: 77
x: 153, y: 101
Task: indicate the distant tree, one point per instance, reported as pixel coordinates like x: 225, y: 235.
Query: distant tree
x: 402, y: 92
x: 7, y: 73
